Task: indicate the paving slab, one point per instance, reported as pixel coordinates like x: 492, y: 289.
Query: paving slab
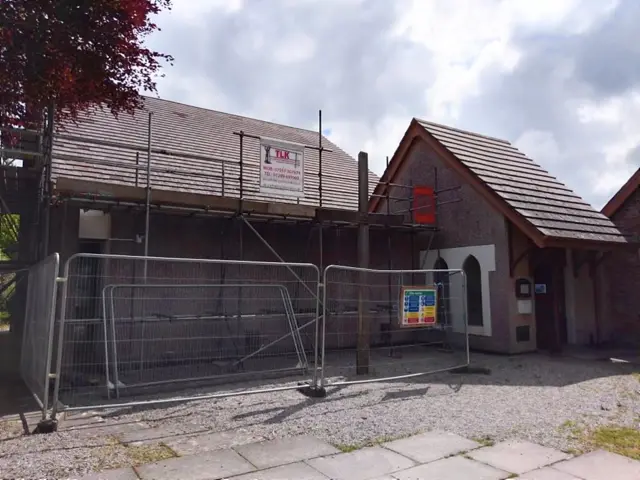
x: 208, y: 466
x: 548, y: 473
x: 87, y: 419
x: 362, y: 464
x: 297, y: 471
x: 272, y: 453
x: 209, y: 442
x: 453, y: 468
x: 600, y: 465
x: 116, y: 474
x: 431, y: 446
x: 146, y: 435
x: 517, y: 456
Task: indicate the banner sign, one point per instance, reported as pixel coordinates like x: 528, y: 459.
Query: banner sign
x: 281, y: 168
x: 418, y: 306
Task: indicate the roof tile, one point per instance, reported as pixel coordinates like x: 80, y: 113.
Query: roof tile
x: 190, y: 130
x: 551, y: 207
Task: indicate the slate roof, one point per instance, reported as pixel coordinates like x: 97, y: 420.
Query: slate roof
x: 85, y: 152
x: 621, y: 196
x: 522, y: 186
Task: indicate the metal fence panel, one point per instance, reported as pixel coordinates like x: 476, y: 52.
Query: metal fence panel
x: 217, y: 337
x: 37, y: 337
x: 363, y: 337
x: 136, y: 330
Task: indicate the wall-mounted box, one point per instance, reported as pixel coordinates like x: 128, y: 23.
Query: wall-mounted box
x: 94, y: 225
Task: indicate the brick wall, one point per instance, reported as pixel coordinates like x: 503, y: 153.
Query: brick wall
x: 622, y: 273
x: 467, y: 220
x: 214, y: 238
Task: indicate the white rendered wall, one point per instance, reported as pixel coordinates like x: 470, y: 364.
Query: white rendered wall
x: 455, y: 257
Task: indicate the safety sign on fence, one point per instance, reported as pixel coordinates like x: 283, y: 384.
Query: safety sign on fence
x: 418, y: 306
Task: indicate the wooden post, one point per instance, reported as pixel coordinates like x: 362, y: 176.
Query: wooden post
x: 362, y: 357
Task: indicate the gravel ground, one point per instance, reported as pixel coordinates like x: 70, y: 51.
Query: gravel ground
x: 529, y: 397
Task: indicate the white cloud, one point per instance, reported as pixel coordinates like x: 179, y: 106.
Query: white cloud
x: 620, y: 113
x: 372, y: 65
x: 540, y: 145
x: 294, y: 48
x: 197, y: 10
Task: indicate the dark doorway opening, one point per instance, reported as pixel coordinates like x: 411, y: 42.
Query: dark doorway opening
x: 550, y: 309
x: 473, y: 274
x: 88, y: 352
x: 88, y: 270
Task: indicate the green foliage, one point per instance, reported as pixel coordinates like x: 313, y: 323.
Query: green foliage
x: 75, y: 54
x: 9, y: 226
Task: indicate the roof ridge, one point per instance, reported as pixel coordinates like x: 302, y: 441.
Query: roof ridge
x: 508, y: 195
x: 620, y: 197
x: 233, y: 114
x: 468, y: 132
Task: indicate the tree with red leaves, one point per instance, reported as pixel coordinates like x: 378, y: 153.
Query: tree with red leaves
x: 75, y: 54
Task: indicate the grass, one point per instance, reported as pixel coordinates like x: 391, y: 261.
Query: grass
x: 134, y: 455
x: 141, y: 454
x: 621, y: 440
x: 568, y: 424
x: 636, y: 375
x: 349, y: 447
x: 352, y: 447
x: 104, y: 453
x: 576, y: 433
x: 572, y: 427
x: 573, y: 451
x: 485, y: 441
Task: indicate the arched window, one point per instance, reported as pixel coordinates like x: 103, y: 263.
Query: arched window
x: 441, y: 280
x: 471, y: 268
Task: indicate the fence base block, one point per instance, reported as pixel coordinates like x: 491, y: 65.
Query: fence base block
x: 313, y: 392
x: 46, y: 426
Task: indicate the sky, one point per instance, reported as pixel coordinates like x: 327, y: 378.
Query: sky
x: 560, y: 79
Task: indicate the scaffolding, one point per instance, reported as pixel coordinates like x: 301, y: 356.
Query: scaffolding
x: 402, y: 211
x: 25, y: 199
x: 25, y: 187
x: 234, y: 203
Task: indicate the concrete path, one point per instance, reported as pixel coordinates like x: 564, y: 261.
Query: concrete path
x: 432, y: 456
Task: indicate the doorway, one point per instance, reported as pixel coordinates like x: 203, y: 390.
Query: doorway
x: 88, y: 305
x: 550, y: 310
x: 87, y: 348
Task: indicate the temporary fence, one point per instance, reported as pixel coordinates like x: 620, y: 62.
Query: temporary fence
x: 37, y: 336
x: 119, y: 339
x: 383, y: 325
x: 137, y: 330
x: 131, y: 327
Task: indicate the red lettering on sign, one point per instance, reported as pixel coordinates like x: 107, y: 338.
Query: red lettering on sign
x: 282, y: 154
